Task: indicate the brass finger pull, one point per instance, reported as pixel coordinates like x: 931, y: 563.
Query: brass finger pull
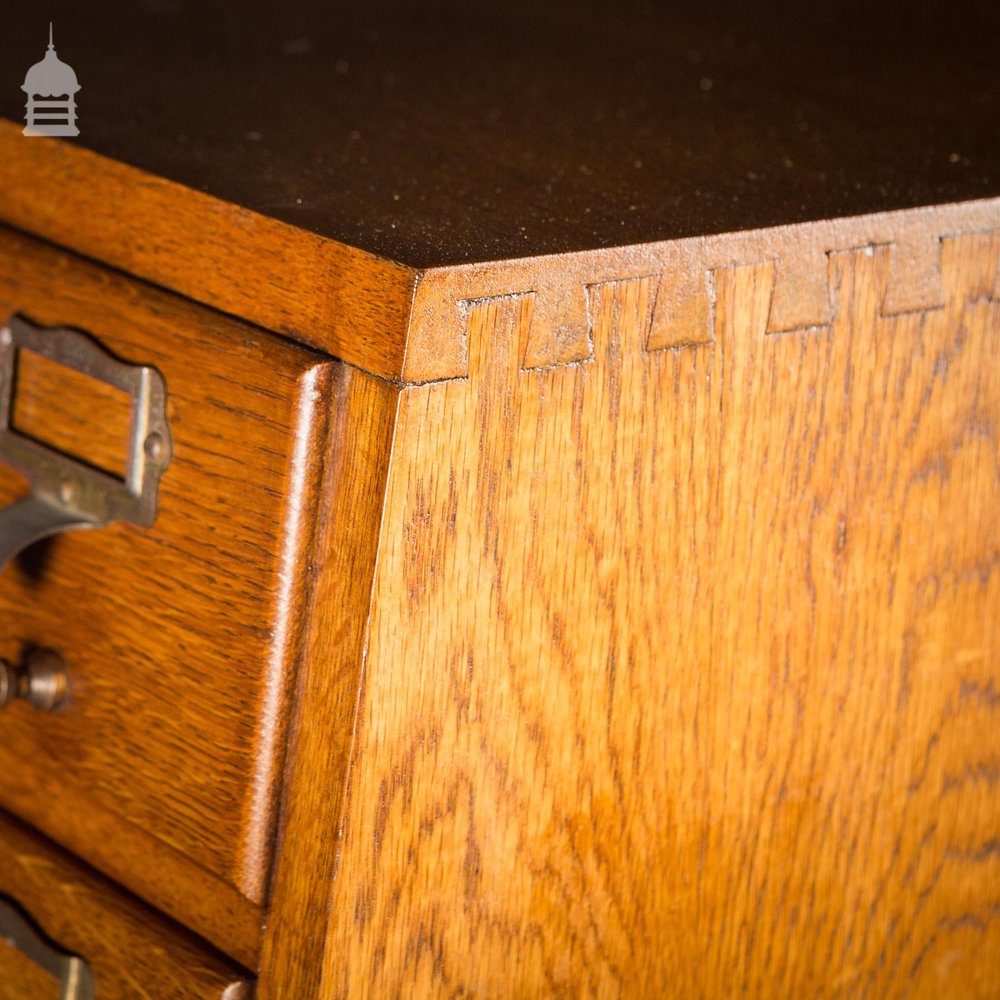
x: 43, y: 681
x: 67, y: 493
x: 73, y: 973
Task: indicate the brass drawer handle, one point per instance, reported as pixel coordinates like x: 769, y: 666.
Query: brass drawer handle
x: 66, y: 493
x: 43, y: 681
x: 73, y: 973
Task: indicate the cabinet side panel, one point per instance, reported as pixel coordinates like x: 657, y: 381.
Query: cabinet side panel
x: 684, y: 663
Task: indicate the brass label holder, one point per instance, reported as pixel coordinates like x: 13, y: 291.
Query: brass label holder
x: 66, y: 493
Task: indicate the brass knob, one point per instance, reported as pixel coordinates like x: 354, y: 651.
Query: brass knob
x: 43, y: 681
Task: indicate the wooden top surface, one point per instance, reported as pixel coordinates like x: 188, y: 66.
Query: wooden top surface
x: 444, y: 132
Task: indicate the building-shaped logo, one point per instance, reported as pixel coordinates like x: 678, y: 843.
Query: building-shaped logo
x: 51, y: 87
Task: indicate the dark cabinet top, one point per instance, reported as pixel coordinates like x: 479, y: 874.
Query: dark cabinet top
x: 440, y: 132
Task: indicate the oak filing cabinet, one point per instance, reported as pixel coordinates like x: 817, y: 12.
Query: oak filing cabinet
x: 518, y: 497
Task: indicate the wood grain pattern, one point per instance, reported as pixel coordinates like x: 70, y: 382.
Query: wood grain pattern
x: 72, y: 412
x: 683, y: 664
x: 363, y: 412
x: 181, y: 639
x: 317, y: 291
x: 679, y: 276
x: 133, y: 952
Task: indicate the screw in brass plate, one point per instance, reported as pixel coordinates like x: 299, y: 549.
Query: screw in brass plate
x: 155, y: 447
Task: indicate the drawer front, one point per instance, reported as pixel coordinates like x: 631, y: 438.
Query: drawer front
x: 62, y: 925
x: 180, y: 637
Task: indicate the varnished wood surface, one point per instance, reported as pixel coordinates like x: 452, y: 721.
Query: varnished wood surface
x: 448, y: 132
x: 72, y: 412
x: 133, y: 952
x: 317, y: 291
x: 180, y: 638
x: 682, y: 669
x: 362, y: 419
x: 680, y: 289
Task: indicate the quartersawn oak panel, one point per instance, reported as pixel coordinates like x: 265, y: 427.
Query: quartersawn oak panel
x: 683, y: 668
x: 180, y: 638
x: 134, y: 953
